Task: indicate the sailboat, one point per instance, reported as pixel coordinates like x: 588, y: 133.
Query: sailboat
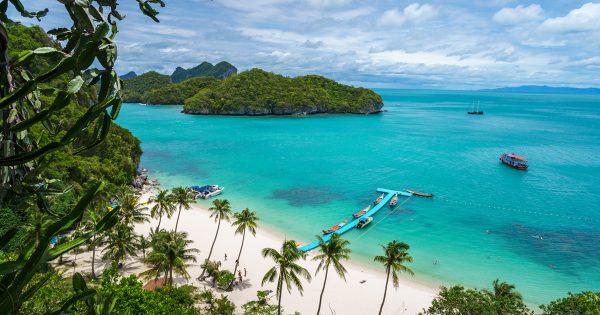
x: 475, y: 112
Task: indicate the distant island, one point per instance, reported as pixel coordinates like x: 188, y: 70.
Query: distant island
x: 141, y: 88
x: 543, y: 89
x: 217, y: 90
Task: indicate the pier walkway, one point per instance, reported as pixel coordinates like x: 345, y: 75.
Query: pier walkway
x: 349, y: 226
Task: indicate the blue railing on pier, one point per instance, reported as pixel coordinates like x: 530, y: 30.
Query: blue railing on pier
x: 349, y: 226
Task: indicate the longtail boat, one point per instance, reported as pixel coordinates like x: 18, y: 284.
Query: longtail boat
x: 335, y: 227
x: 361, y: 212
x: 394, y: 201
x: 418, y: 193
x: 378, y: 200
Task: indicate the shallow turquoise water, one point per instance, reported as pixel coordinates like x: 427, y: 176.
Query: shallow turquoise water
x: 539, y: 229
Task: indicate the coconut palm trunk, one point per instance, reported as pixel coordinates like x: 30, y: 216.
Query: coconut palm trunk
x: 280, y: 290
x: 177, y: 223
x: 237, y: 261
x: 158, y: 226
x: 387, y: 280
x: 212, y: 246
x: 322, y: 290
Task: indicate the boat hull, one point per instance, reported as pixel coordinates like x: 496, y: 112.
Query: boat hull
x: 517, y: 167
x: 364, y: 223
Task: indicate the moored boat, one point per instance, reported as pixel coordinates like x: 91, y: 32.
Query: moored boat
x: 514, y: 161
x: 418, y: 193
x: 378, y: 200
x: 363, y: 222
x: 475, y: 112
x: 207, y: 191
x: 394, y: 200
x: 335, y: 227
x: 361, y: 212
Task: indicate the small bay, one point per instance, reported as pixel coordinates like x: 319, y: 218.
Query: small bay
x: 539, y: 229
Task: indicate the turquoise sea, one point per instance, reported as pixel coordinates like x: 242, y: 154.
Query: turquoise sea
x: 539, y: 229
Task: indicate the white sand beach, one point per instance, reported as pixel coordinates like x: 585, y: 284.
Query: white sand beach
x: 361, y: 293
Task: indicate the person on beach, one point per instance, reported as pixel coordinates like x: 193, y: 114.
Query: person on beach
x: 240, y: 276
x: 244, y: 271
x: 225, y: 256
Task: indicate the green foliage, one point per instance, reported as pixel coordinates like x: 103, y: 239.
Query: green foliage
x: 458, y: 300
x: 224, y: 278
x: 260, y: 306
x: 50, y: 296
x: 584, y: 303
x: 216, y: 306
x: 177, y: 93
x: 170, y: 254
x: 132, y: 298
x: 134, y: 88
x: 257, y: 92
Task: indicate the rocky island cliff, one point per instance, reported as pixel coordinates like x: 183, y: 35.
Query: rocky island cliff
x: 257, y: 92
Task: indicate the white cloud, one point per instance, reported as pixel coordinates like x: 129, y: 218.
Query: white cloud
x: 519, y: 14
x: 413, y: 13
x: 585, y: 18
x: 328, y: 3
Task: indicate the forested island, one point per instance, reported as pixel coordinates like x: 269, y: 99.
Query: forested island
x: 258, y: 92
x: 250, y: 93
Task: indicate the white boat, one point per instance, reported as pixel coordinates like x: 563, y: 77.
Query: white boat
x: 363, y: 222
x: 217, y: 191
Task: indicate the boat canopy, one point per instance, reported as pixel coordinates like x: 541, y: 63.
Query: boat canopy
x: 517, y: 157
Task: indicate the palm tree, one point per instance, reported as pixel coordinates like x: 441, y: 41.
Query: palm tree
x: 163, y: 205
x: 170, y: 254
x: 221, y: 210
x: 143, y: 245
x: 286, y: 269
x: 132, y: 211
x: 395, y: 256
x: 94, y: 216
x: 245, y: 220
x: 504, y: 290
x: 121, y: 242
x: 331, y: 254
x: 34, y: 227
x: 182, y: 197
x: 212, y: 270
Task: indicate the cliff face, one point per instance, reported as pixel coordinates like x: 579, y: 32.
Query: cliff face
x: 257, y: 92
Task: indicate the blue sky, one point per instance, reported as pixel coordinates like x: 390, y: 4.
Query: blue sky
x: 379, y: 43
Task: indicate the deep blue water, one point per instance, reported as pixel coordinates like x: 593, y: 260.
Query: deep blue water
x: 539, y: 229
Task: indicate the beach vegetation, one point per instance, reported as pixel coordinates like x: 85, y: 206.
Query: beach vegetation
x: 258, y: 92
x: 286, y: 270
x: 211, y: 269
x: 225, y: 278
x: 261, y: 305
x: 459, y: 300
x: 164, y: 204
x: 216, y: 306
x: 245, y: 220
x: 170, y: 254
x: 121, y: 242
x: 394, y: 260
x: 331, y: 253
x: 182, y: 197
x: 132, y: 210
x: 220, y: 210
x: 583, y: 303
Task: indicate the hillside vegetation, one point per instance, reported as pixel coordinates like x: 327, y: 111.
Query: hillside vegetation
x: 177, y: 93
x: 257, y: 92
x: 135, y: 88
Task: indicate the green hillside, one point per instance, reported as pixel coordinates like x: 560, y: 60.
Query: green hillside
x: 176, y: 94
x: 134, y: 89
x: 257, y: 92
